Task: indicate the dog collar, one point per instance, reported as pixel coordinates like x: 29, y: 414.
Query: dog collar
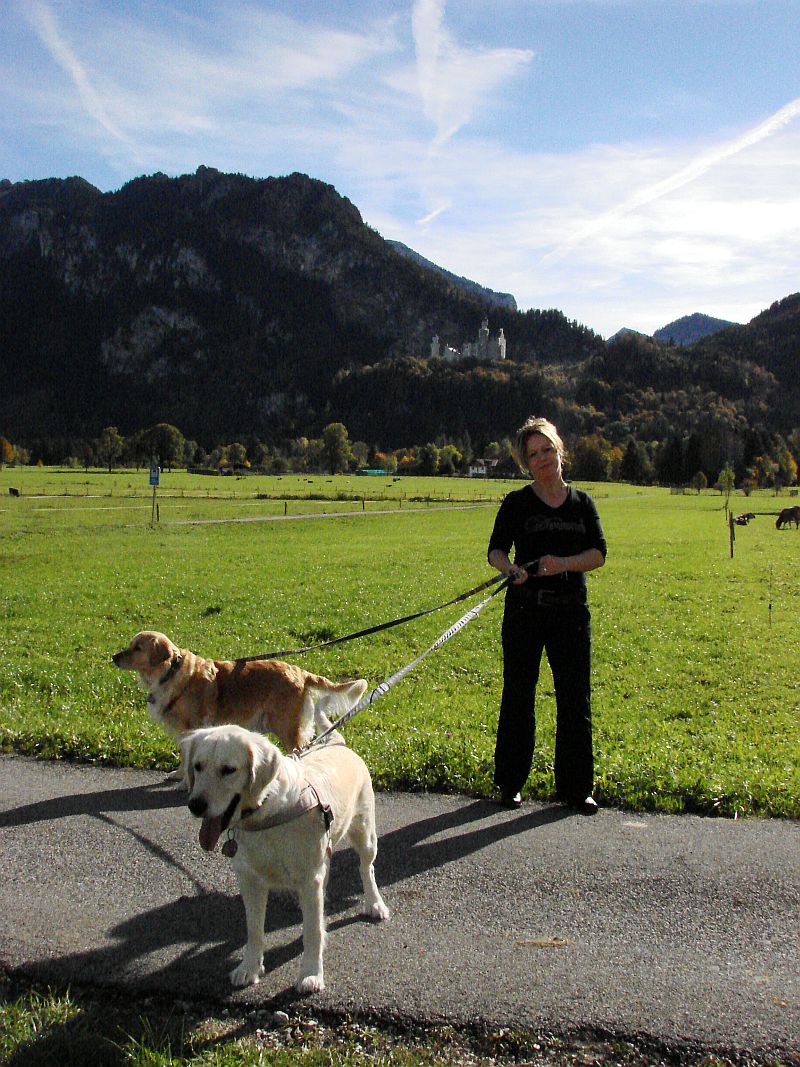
x: 173, y: 667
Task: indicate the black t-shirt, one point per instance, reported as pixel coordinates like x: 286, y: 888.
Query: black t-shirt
x: 535, y: 529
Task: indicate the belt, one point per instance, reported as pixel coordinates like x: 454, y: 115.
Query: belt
x: 550, y: 598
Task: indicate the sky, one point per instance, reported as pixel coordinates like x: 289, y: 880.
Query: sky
x: 627, y: 162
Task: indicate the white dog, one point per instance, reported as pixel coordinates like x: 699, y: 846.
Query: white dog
x: 284, y: 817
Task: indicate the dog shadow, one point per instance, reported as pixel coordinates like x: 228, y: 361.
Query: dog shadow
x: 189, y: 945
x: 166, y: 794
x: 186, y: 947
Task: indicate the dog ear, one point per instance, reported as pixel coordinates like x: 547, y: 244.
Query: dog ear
x: 161, y: 651
x: 265, y: 760
x: 187, y: 759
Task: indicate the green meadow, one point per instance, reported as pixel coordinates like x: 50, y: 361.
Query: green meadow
x: 696, y: 690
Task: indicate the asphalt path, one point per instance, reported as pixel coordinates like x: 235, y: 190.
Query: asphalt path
x: 680, y: 929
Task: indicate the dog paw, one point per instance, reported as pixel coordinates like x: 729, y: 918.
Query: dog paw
x: 310, y: 983
x: 377, y: 911
x: 246, y: 975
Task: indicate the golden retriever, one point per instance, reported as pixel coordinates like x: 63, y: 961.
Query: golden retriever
x: 186, y: 692
x: 284, y: 816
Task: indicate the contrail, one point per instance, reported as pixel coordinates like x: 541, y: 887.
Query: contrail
x: 44, y: 23
x: 687, y: 174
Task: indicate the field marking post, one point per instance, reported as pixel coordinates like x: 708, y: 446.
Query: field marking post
x: 155, y: 473
x: 732, y: 533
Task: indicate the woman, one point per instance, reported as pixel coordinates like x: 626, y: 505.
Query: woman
x: 556, y: 534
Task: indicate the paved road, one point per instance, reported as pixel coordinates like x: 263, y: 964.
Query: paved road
x: 678, y: 928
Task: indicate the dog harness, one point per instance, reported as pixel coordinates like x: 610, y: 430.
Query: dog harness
x: 310, y: 798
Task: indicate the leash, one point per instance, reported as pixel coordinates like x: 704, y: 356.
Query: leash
x: 384, y: 687
x: 375, y: 629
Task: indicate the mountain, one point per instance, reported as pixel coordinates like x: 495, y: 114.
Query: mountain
x: 222, y: 304
x: 690, y: 328
x: 770, y: 342
x: 237, y: 308
x: 505, y: 300
x: 624, y: 332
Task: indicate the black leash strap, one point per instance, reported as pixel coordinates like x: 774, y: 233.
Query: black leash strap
x: 384, y: 687
x: 375, y: 629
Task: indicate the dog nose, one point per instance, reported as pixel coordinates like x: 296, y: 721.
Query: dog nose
x: 198, y: 806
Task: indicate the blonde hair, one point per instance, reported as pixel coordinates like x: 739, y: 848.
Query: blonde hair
x: 530, y: 427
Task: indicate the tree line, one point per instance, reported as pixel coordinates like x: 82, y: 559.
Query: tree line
x: 753, y: 459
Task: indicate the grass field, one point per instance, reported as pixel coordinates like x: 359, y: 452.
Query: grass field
x: 696, y: 690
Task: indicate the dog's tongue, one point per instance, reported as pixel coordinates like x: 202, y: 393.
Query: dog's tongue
x: 210, y: 829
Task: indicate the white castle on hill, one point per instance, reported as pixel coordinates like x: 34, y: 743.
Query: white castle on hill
x: 486, y: 347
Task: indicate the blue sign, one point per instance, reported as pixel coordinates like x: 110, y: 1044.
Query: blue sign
x: 154, y: 475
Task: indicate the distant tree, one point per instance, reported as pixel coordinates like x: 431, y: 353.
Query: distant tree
x: 449, y: 459
x: 360, y: 451
x: 315, y: 454
x: 506, y: 463
x: 762, y: 472
x: 669, y: 462
x: 135, y: 454
x: 85, y: 453
x: 787, y: 464
x: 699, y: 481
x: 590, y: 459
x: 693, y: 456
x: 429, y: 459
x: 725, y: 483
x: 192, y: 453
x: 109, y: 447
x: 6, y: 451
x: 337, y: 450
x: 164, y: 443
x: 237, y: 455
x: 386, y: 461
x: 199, y: 457
x: 636, y: 465
x: 794, y: 445
x: 259, y: 454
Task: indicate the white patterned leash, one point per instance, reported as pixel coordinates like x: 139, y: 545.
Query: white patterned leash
x: 384, y: 687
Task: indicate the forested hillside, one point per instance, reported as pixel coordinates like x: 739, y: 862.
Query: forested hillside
x: 216, y: 302
x: 237, y: 309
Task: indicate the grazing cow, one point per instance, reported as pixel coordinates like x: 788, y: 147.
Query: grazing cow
x: 742, y: 520
x: 12, y: 491
x: 788, y: 515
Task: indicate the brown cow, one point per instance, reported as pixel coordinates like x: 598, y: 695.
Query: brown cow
x: 788, y: 515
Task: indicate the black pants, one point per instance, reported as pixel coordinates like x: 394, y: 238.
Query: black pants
x: 565, y: 633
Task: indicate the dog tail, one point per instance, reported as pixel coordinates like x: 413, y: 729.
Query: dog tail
x: 334, y: 700
x: 337, y: 696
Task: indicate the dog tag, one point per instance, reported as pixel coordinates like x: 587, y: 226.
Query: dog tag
x: 230, y: 848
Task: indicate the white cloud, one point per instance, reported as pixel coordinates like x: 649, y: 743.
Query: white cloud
x: 698, y: 167
x: 45, y: 25
x: 453, y: 81
x: 387, y: 110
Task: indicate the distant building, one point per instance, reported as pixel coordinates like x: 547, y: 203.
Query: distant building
x: 484, y: 348
x: 482, y: 468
